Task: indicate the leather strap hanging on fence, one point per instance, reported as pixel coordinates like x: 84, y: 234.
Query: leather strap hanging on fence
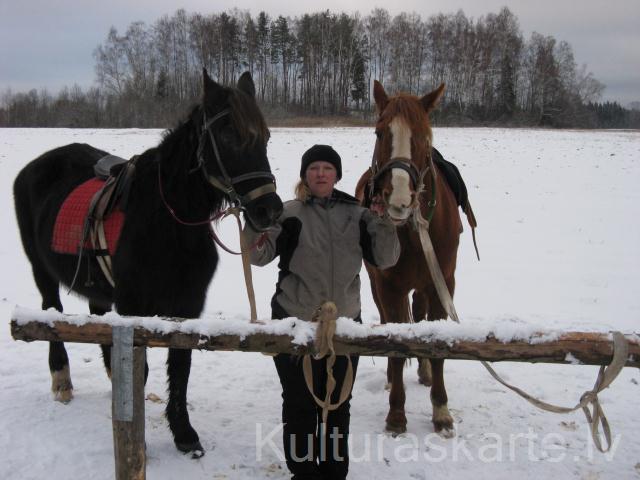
x: 245, y: 249
x: 606, y: 375
x: 325, y: 317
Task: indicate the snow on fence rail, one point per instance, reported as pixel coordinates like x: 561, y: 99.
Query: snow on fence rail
x: 502, y: 341
x: 498, y: 341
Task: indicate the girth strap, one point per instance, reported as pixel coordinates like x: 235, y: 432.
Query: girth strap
x: 112, y: 194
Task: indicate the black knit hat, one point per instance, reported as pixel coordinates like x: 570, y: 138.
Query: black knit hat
x: 321, y: 153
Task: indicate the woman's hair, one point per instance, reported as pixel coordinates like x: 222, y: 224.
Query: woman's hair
x: 302, y: 191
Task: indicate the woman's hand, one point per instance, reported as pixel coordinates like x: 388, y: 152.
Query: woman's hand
x: 377, y: 206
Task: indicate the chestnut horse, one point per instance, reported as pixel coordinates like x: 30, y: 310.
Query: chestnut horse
x: 401, y: 163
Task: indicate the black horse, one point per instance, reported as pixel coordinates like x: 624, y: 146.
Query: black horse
x: 162, y: 265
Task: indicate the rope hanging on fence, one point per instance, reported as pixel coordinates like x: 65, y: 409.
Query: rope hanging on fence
x: 606, y: 375
x: 325, y: 317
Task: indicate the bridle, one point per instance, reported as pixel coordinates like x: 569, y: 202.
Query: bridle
x: 224, y: 182
x: 416, y: 176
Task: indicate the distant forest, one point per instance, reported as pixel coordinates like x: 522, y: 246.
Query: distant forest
x: 322, y: 65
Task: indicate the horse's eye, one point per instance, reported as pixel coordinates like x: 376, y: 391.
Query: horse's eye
x: 379, y: 134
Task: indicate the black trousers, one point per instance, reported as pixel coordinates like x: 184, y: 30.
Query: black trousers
x: 313, y: 454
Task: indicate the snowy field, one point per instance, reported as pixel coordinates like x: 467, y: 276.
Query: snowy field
x: 558, y: 236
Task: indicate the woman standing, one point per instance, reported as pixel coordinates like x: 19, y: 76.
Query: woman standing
x: 321, y: 239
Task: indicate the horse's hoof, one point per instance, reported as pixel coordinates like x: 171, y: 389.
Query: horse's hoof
x: 61, y: 385
x: 443, y: 423
x: 63, y: 396
x: 194, y: 448
x: 396, y: 423
x: 396, y: 429
x: 445, y: 431
x: 424, y: 381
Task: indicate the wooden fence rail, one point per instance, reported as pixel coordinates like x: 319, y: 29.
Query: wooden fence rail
x: 130, y: 336
x: 568, y: 347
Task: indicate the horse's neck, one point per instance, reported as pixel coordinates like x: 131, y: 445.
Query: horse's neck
x: 186, y: 193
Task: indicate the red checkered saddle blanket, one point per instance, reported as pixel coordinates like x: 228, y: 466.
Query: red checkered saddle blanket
x: 69, y: 230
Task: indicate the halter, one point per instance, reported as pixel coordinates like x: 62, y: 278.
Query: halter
x: 417, y: 176
x: 225, y: 183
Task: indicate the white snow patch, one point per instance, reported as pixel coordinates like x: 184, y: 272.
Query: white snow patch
x: 559, y: 245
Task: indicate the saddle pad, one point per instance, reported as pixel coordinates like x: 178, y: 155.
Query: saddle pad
x: 67, y: 231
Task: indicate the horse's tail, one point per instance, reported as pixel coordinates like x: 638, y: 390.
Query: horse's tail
x: 473, y: 223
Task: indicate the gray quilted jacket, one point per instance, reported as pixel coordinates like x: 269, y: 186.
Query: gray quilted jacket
x: 321, y: 244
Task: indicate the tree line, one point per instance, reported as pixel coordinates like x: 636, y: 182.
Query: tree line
x: 324, y: 64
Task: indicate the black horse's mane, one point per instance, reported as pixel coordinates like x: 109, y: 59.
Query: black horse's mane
x: 246, y: 118
x: 179, y: 144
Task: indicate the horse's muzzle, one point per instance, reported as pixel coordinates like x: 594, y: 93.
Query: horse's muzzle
x: 264, y: 211
x: 398, y: 215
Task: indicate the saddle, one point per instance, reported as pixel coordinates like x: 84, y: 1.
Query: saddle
x: 91, y: 217
x: 456, y: 183
x: 452, y: 176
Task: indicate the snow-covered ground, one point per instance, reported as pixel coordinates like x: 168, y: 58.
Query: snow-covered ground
x: 558, y: 236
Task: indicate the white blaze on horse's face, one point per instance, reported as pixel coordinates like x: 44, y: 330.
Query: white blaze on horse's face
x: 400, y: 198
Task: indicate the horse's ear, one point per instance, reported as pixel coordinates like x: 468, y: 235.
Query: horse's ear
x: 212, y: 91
x: 430, y: 100
x: 246, y: 85
x: 380, y: 96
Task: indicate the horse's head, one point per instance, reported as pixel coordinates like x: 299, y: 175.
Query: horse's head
x: 232, y: 150
x: 403, y: 148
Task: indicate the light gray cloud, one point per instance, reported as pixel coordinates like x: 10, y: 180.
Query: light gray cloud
x: 49, y: 43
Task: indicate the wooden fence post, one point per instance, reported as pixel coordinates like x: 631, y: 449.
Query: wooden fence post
x: 127, y: 380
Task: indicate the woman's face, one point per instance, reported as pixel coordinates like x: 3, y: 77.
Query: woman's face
x: 321, y: 176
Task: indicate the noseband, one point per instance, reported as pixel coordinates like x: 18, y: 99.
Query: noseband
x: 402, y: 163
x: 224, y: 182
x: 396, y: 162
x: 417, y: 176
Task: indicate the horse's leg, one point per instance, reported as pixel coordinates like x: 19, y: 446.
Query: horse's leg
x: 61, y: 385
x: 395, y: 308
x: 419, y: 311
x: 396, y: 418
x: 374, y: 292
x: 185, y: 437
x: 442, y: 420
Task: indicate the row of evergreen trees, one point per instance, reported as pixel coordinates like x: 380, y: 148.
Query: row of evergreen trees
x: 324, y: 64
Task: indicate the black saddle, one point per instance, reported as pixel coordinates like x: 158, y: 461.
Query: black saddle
x: 104, y: 168
x: 453, y: 177
x: 118, y: 174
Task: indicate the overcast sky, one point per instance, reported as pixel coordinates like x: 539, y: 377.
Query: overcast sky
x: 49, y: 43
